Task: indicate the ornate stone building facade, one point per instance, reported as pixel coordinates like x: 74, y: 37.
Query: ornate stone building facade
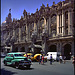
x: 49, y: 29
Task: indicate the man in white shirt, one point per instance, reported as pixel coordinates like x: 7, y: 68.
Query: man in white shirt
x: 60, y: 58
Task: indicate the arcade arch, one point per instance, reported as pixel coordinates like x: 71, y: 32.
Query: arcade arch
x: 52, y: 48
x: 67, y: 51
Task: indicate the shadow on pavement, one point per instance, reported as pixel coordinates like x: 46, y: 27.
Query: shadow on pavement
x: 5, y: 72
x: 23, y: 68
x: 26, y: 68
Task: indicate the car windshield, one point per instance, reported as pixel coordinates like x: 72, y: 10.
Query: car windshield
x: 18, y: 55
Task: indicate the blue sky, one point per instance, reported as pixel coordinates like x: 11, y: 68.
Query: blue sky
x: 18, y: 6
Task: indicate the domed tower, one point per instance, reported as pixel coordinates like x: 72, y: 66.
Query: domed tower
x: 9, y: 19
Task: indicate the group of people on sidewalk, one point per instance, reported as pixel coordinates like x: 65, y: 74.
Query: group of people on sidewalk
x: 60, y: 59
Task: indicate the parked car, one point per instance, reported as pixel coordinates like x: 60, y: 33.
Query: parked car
x: 17, y: 60
x: 55, y: 55
x: 36, y: 58
x: 28, y: 55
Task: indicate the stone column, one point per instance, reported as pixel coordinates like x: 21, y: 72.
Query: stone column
x: 60, y: 50
x: 19, y: 48
x: 13, y: 32
x: 60, y: 23
x: 26, y: 49
x: 57, y: 24
x: 63, y: 23
x: 44, y: 21
x: 69, y: 22
x: 5, y: 50
x: 49, y: 25
x: 58, y: 47
x: 38, y: 27
x: 32, y: 47
x: 19, y: 34
x: 11, y: 48
x: 26, y: 32
x: 16, y: 34
x: 72, y: 17
x: 72, y: 48
x: 9, y: 33
x: 29, y: 31
x: 34, y: 25
x: 44, y: 45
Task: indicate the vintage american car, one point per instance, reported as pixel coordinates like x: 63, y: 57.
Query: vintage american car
x: 17, y: 60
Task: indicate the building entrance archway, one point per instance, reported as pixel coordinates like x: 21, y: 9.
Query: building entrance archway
x: 52, y: 48
x: 67, y: 51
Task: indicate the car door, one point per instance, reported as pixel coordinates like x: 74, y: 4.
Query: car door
x: 9, y: 58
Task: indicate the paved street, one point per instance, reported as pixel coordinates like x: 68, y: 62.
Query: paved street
x: 36, y: 69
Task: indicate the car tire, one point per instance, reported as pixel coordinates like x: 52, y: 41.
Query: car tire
x: 5, y: 63
x: 16, y: 65
x: 21, y: 67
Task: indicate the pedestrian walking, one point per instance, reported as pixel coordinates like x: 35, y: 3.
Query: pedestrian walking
x: 26, y: 55
x: 60, y: 58
x: 40, y: 58
x: 51, y: 59
x: 73, y: 61
x: 64, y: 58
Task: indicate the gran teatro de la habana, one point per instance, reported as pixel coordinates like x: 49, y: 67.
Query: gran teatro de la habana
x: 49, y: 29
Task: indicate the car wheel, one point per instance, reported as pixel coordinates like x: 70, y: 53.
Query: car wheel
x: 5, y: 63
x: 16, y: 65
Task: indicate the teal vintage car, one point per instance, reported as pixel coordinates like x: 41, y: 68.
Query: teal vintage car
x: 17, y: 60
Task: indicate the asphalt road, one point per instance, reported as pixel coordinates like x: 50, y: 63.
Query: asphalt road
x: 38, y: 69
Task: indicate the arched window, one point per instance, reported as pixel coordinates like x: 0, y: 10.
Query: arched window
x: 53, y: 18
x: 53, y: 25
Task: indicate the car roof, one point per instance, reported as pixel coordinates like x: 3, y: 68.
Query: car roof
x: 14, y: 53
